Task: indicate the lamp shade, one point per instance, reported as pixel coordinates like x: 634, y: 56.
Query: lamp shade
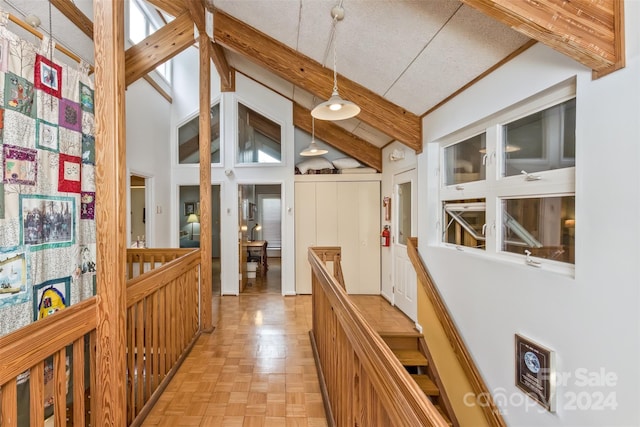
x: 335, y: 108
x: 193, y: 218
x: 313, y: 150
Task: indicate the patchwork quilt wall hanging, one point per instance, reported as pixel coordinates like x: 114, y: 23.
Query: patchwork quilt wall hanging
x: 47, y: 182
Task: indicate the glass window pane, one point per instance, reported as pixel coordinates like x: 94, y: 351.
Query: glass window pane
x: 404, y: 212
x: 541, y: 141
x: 463, y: 161
x: 258, y: 138
x: 137, y: 23
x: 189, y: 139
x: 464, y: 223
x: 544, y: 226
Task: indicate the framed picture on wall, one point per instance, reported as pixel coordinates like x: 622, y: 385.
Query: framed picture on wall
x: 189, y: 208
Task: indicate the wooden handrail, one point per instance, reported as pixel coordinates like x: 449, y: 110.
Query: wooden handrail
x: 404, y: 402
x: 147, y: 283
x: 35, y: 342
x: 491, y: 411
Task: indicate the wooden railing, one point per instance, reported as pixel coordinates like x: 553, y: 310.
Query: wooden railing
x: 163, y: 323
x: 365, y: 383
x: 139, y: 261
x: 41, y: 352
x: 479, y: 388
x: 331, y: 255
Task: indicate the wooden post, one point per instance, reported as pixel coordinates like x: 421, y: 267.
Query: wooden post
x: 206, y: 321
x: 110, y: 392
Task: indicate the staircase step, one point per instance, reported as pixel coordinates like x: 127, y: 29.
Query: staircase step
x: 426, y: 384
x: 411, y: 357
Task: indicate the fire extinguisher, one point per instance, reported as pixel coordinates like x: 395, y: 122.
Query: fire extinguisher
x: 385, y: 236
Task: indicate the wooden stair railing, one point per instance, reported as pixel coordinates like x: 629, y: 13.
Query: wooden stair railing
x: 163, y: 323
x: 363, y: 382
x: 479, y: 388
x: 30, y: 349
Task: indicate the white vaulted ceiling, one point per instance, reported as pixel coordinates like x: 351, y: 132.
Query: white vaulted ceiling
x: 413, y: 53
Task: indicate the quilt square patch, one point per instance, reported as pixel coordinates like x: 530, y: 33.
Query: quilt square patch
x: 69, y: 174
x: 46, y: 135
x: 19, y: 95
x: 20, y: 165
x: 86, y: 98
x: 87, y: 205
x: 88, y: 149
x: 48, y: 76
x: 70, y: 115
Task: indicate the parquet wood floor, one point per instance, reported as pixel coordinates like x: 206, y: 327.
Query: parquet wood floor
x: 255, y: 369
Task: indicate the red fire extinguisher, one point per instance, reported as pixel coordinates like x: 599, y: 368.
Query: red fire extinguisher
x: 385, y: 236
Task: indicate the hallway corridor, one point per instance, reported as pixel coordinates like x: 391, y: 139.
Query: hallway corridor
x: 255, y: 369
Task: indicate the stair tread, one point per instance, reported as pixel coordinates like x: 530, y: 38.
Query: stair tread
x: 411, y: 357
x: 426, y: 384
x: 405, y: 334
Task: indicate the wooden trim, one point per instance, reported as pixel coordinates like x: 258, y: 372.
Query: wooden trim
x: 111, y: 182
x: 506, y: 59
x: 158, y: 48
x: 75, y: 15
x: 196, y: 10
x: 206, y: 281
x: 33, y: 343
x: 582, y: 30
x: 316, y: 79
x: 158, y: 88
x: 618, y: 40
x: 339, y: 138
x: 491, y: 411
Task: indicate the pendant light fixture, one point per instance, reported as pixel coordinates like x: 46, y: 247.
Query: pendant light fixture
x: 312, y: 149
x: 335, y: 108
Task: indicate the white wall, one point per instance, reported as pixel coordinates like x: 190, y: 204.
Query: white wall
x: 267, y: 103
x: 389, y: 169
x: 148, y: 132
x: 590, y: 321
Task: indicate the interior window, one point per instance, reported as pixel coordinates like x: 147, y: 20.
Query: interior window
x: 541, y: 141
x: 189, y: 139
x: 465, y: 222
x: 464, y: 161
x: 542, y: 227
x: 259, y: 138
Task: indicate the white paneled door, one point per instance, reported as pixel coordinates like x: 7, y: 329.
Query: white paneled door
x: 404, y: 206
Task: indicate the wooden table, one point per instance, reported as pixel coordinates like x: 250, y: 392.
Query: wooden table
x: 258, y: 244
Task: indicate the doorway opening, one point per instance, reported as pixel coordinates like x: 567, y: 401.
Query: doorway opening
x: 260, y: 216
x: 138, y: 212
x: 189, y: 228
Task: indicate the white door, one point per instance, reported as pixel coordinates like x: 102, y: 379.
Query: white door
x: 404, y: 215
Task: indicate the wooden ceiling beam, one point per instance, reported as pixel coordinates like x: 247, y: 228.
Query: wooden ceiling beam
x: 172, y: 7
x: 339, y: 138
x: 196, y: 9
x: 311, y: 76
x: 216, y: 52
x: 75, y: 15
x: 590, y: 32
x: 226, y: 73
x: 159, y: 47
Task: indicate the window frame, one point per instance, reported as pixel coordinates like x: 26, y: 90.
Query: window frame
x: 495, y: 188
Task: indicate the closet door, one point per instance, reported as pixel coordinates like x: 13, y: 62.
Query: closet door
x: 358, y: 235
x: 327, y: 212
x: 305, y: 219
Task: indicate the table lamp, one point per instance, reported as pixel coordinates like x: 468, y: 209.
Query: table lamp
x: 257, y: 227
x: 193, y: 219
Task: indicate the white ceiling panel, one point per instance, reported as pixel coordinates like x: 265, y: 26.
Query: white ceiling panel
x: 468, y: 45
x: 261, y: 75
